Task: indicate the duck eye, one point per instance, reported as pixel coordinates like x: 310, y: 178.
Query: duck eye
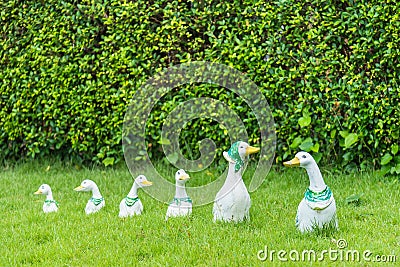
x: 179, y: 173
x: 42, y: 187
x: 304, y: 156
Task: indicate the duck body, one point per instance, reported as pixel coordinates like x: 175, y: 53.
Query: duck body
x: 131, y: 204
x: 318, y: 207
x: 96, y: 202
x: 309, y: 217
x: 232, y: 203
x: 94, y: 205
x: 130, y: 207
x: 181, y: 205
x: 49, y: 205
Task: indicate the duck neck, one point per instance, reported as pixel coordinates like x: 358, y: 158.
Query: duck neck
x: 317, y: 183
x: 49, y: 195
x: 96, y: 192
x: 233, y: 175
x: 133, y: 192
x: 180, y: 190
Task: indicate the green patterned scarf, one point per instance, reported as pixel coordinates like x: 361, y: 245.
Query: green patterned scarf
x: 233, y: 153
x: 178, y: 201
x: 129, y: 201
x: 96, y: 201
x: 49, y: 202
x: 318, y: 200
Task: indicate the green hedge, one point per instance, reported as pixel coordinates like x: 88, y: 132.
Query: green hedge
x: 329, y: 69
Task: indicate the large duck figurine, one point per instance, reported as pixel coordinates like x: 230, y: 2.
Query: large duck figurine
x: 232, y: 202
x: 318, y: 207
x: 181, y: 205
x: 131, y: 204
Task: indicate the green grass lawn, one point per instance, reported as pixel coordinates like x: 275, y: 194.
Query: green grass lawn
x: 71, y: 238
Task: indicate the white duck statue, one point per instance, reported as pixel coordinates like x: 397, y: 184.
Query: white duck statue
x: 181, y: 205
x: 318, y: 207
x: 49, y: 205
x: 131, y: 204
x: 96, y: 202
x: 232, y: 202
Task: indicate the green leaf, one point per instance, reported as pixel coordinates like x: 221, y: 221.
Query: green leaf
x: 108, y: 161
x: 354, y: 199
x: 350, y: 140
x: 307, y: 145
x: 344, y: 134
x: 296, y: 142
x: 317, y: 157
x: 164, y: 141
x: 315, y: 148
x: 395, y: 149
x: 173, y: 158
x: 386, y: 159
x: 397, y: 168
x: 304, y: 121
x: 333, y: 133
x: 385, y: 169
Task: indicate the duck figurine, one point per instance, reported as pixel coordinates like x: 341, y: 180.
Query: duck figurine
x: 49, y: 205
x: 181, y: 205
x: 318, y: 207
x: 96, y: 202
x: 232, y: 202
x: 131, y: 204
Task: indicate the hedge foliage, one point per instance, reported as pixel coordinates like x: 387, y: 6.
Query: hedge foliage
x: 329, y: 70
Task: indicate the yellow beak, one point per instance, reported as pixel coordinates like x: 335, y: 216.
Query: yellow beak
x: 78, y: 188
x: 147, y: 183
x: 295, y: 162
x: 184, y: 177
x: 38, y: 192
x: 252, y: 150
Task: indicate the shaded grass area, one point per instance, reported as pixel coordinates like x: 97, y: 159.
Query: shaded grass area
x: 71, y: 238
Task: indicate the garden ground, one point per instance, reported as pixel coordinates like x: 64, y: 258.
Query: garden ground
x: 369, y: 225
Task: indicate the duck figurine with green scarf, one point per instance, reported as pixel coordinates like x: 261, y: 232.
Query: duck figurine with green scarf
x: 96, y: 202
x: 181, y: 205
x: 131, y: 204
x: 49, y: 205
x: 232, y: 202
x: 318, y: 207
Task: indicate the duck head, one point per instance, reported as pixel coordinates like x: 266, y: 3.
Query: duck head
x: 181, y: 176
x: 238, y: 153
x: 301, y: 159
x: 142, y: 181
x: 86, y: 185
x: 44, y: 189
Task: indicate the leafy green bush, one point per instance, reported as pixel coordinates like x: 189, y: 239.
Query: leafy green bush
x: 329, y: 69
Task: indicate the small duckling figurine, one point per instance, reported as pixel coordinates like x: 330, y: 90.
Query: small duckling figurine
x: 318, y: 207
x: 181, y: 205
x: 232, y: 202
x: 131, y: 204
x: 49, y: 205
x: 96, y: 202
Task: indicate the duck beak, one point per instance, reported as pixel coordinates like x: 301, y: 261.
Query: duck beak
x: 147, y: 183
x: 38, y: 192
x: 251, y: 150
x: 184, y: 177
x: 79, y: 188
x: 295, y: 162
